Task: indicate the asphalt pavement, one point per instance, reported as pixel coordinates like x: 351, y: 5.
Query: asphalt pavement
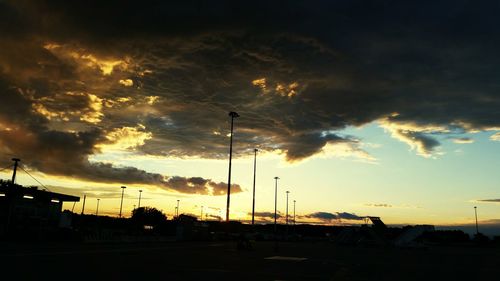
x: 225, y: 261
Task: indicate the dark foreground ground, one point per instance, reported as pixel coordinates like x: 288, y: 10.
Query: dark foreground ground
x: 223, y: 261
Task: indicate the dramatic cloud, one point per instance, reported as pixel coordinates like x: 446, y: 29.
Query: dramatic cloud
x: 158, y: 78
x: 65, y: 153
x: 495, y: 137
x: 199, y: 185
x: 266, y: 215
x: 325, y: 216
x: 416, y: 136
x: 463, y: 140
x: 489, y: 200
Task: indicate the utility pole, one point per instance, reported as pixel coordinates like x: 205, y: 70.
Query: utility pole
x: 16, y: 160
x: 233, y: 115
x: 254, y: 173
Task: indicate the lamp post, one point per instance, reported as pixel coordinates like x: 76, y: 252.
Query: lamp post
x: 16, y: 160
x: 233, y: 115
x: 83, y: 206
x: 275, y: 201
x: 177, y: 209
x: 294, y: 212
x: 97, y: 209
x: 121, y: 202
x: 287, y: 192
x: 139, y: 204
x: 477, y: 228
x: 254, y: 172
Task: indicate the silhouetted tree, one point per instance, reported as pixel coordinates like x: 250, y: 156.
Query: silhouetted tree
x: 444, y: 236
x: 148, y: 216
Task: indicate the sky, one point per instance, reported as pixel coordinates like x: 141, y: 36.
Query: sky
x: 361, y: 108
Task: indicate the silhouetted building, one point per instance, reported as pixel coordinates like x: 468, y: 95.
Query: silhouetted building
x: 28, y: 210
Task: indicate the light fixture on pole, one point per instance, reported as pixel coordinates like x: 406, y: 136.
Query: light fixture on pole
x: 254, y: 172
x: 275, y: 201
x: 177, y: 209
x: 233, y: 115
x: 139, y: 204
x: 121, y: 202
x: 97, y: 209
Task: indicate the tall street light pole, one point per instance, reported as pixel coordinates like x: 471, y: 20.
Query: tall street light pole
x: 97, y: 209
x: 83, y: 206
x: 477, y: 228
x: 16, y: 160
x: 121, y: 203
x: 177, y: 209
x: 293, y: 212
x: 233, y: 115
x: 275, y: 200
x: 139, y: 204
x: 254, y: 172
x: 287, y: 192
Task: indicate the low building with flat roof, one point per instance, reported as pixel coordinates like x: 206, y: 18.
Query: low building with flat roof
x: 30, y: 210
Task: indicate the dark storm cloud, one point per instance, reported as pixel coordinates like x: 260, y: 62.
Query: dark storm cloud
x: 72, y: 72
x: 26, y: 135
x: 489, y: 200
x: 349, y: 216
x: 322, y: 216
x: 326, y: 216
x: 199, y: 185
x: 266, y: 215
x: 463, y: 140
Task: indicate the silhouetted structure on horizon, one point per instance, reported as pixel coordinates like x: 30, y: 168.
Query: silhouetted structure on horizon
x: 29, y: 210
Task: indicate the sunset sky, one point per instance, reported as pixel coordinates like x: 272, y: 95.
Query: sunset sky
x: 361, y: 108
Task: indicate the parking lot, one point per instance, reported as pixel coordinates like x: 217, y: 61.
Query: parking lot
x: 224, y: 261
